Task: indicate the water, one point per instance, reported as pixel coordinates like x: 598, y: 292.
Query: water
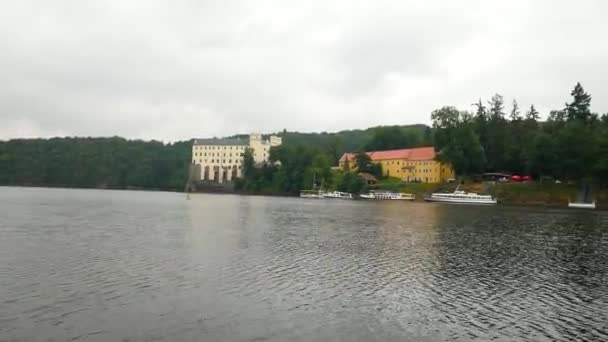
x: 91, y: 265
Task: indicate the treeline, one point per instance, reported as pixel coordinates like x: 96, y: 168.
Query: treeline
x: 333, y: 145
x: 292, y: 168
x: 119, y: 163
x: 572, y: 144
x: 95, y: 163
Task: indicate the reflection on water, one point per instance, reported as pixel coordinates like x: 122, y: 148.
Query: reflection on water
x: 117, y: 265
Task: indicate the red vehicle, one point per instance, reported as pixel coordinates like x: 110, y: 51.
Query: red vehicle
x: 516, y: 178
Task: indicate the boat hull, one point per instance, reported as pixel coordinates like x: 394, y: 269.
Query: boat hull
x: 312, y: 196
x: 396, y: 198
x: 462, y: 201
x: 578, y: 205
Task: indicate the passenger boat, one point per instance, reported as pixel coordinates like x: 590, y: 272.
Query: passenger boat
x: 461, y: 197
x: 388, y: 195
x: 312, y: 194
x: 581, y: 205
x: 338, y: 194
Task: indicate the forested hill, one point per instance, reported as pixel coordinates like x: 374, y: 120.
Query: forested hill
x: 374, y: 138
x: 94, y: 163
x: 119, y: 163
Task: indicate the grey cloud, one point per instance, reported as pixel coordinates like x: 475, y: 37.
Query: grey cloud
x: 179, y: 69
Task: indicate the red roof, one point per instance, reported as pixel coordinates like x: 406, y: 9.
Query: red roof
x: 418, y: 153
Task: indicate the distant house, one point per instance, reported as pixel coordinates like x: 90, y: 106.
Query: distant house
x: 409, y: 164
x: 368, y: 178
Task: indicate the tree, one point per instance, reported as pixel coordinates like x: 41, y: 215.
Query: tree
x: 495, y: 145
x: 363, y: 162
x: 532, y: 114
x: 579, y: 108
x: 515, y: 112
x: 496, y: 107
x: 321, y: 169
x: 542, y: 156
x: 576, y: 150
x: 481, y: 123
x: 457, y: 141
x: 351, y: 182
x: 248, y: 163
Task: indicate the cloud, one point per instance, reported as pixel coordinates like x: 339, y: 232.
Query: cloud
x: 180, y: 69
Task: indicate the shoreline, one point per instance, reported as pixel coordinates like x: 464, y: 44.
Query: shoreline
x: 551, y: 203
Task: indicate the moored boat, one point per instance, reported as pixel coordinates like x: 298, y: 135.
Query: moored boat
x: 461, y: 197
x: 338, y: 194
x: 388, y: 195
x: 312, y: 194
x: 581, y: 205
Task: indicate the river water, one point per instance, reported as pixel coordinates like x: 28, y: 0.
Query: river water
x: 94, y: 265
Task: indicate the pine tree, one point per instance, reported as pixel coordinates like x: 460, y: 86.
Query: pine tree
x: 579, y: 108
x: 481, y: 113
x: 532, y: 114
x: 515, y: 112
x: 496, y: 107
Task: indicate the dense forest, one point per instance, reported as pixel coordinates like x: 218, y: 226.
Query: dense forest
x: 572, y: 144
x: 94, y: 163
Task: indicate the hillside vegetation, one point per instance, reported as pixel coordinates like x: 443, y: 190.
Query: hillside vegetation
x: 118, y: 163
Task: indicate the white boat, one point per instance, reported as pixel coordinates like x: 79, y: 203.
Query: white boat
x: 581, y: 205
x: 338, y: 194
x: 461, y: 197
x: 388, y: 195
x: 312, y: 194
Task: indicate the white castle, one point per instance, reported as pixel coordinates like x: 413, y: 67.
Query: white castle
x: 221, y: 160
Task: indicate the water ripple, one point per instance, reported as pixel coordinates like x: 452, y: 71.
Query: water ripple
x: 108, y: 265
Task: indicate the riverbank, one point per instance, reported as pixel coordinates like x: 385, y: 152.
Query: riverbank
x: 520, y: 194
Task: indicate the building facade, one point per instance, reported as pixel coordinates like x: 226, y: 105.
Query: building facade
x: 221, y: 160
x: 411, y: 164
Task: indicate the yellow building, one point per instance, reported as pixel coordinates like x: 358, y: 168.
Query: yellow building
x: 411, y: 164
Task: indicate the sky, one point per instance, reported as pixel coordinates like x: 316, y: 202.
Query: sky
x: 174, y: 70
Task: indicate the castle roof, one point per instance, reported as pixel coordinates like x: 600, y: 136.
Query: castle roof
x: 222, y: 142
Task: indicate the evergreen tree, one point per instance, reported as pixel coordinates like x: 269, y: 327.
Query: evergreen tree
x: 515, y: 112
x: 532, y: 114
x: 542, y: 156
x: 496, y: 107
x: 495, y: 146
x: 579, y: 108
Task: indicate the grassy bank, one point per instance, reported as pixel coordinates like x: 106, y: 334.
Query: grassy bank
x: 529, y: 194
x: 556, y: 195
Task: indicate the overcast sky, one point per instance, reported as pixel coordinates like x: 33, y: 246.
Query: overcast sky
x: 180, y: 69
